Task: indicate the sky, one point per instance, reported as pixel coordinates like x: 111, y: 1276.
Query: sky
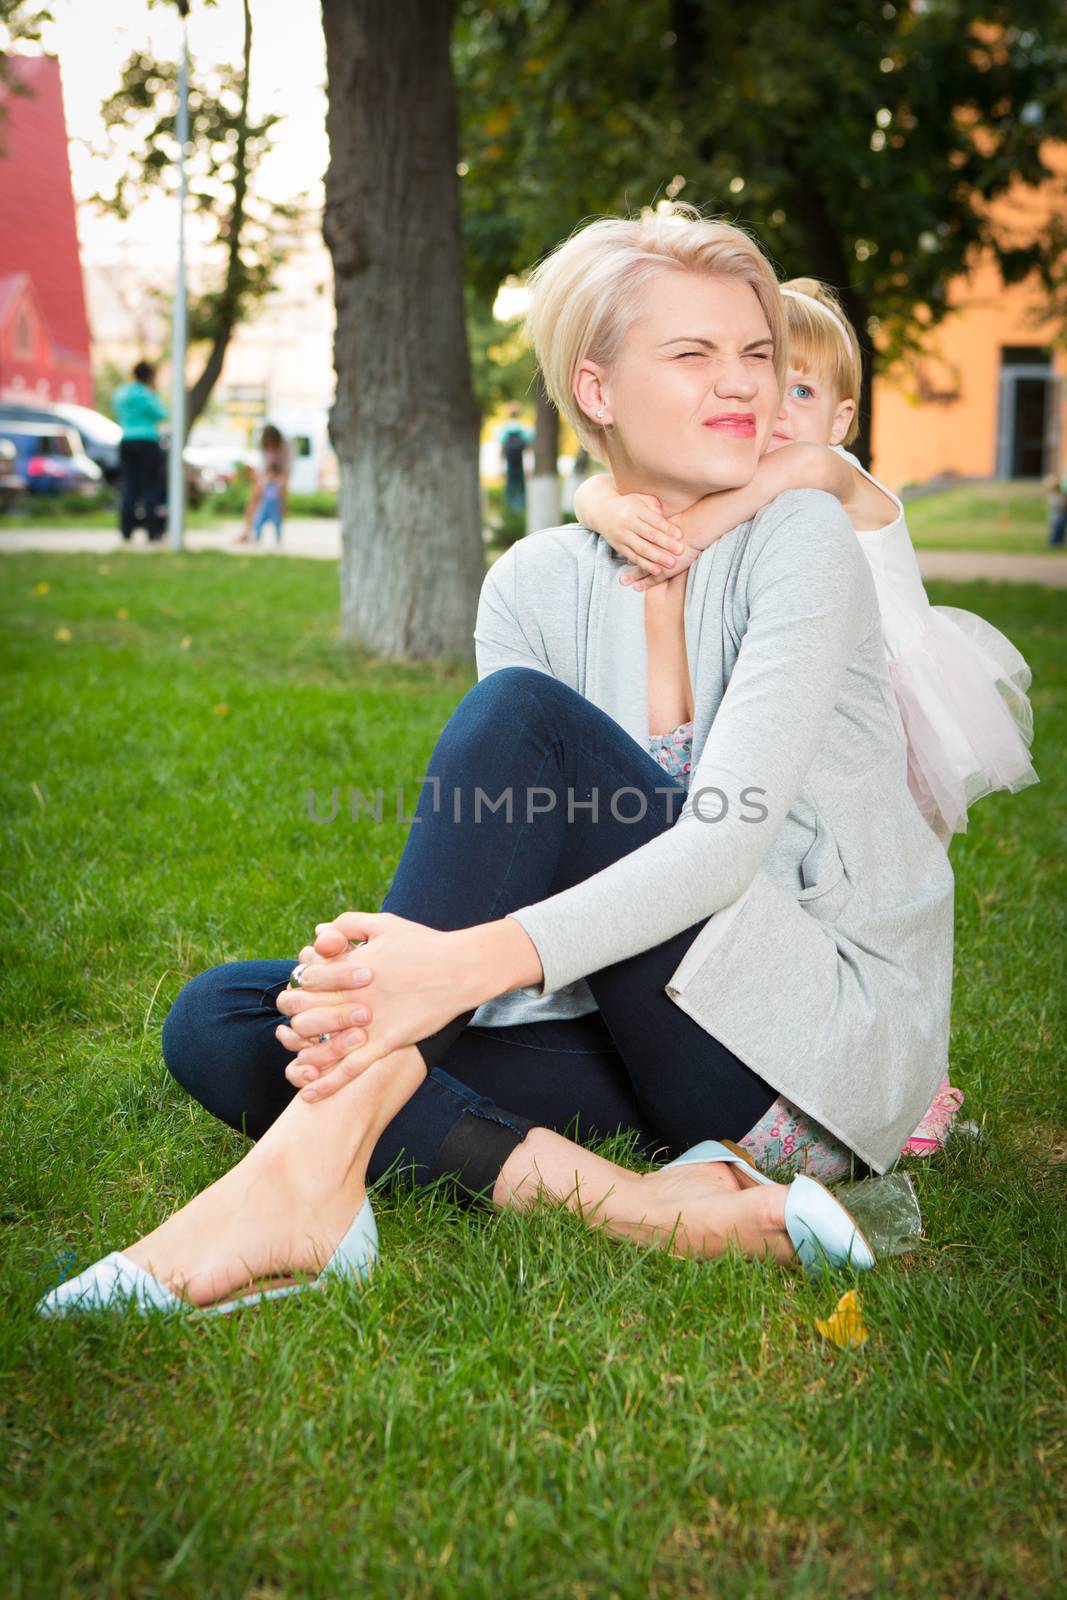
x: 92, y: 40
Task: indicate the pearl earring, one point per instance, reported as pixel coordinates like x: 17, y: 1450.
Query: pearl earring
x: 599, y: 414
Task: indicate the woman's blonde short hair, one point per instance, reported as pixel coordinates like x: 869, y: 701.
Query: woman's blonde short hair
x: 818, y: 344
x: 585, y: 295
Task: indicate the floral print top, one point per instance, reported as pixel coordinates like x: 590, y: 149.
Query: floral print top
x: 674, y: 750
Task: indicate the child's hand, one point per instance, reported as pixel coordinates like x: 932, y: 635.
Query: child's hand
x: 637, y: 530
x: 700, y: 525
x: 640, y: 580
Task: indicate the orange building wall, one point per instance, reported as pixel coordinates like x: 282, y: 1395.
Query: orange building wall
x: 915, y: 439
x: 920, y: 432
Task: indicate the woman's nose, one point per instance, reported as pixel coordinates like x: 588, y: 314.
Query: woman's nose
x: 735, y: 379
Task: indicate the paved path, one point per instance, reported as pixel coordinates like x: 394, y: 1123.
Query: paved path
x: 320, y: 537
x: 304, y: 536
x: 999, y: 566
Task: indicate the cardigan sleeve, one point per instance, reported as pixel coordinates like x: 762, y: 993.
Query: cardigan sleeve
x: 810, y: 602
x: 500, y: 639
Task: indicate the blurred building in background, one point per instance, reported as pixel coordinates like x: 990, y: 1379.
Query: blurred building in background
x: 279, y: 369
x: 988, y: 398
x: 44, y: 330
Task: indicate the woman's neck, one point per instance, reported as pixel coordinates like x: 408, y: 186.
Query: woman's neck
x: 673, y: 497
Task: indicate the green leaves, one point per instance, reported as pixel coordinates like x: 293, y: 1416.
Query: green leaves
x: 862, y: 143
x: 243, y: 245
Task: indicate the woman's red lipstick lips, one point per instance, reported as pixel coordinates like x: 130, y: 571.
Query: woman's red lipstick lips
x: 738, y: 424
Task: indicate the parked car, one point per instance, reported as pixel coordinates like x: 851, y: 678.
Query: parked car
x: 101, y: 437
x: 220, y: 465
x: 12, y: 482
x: 200, y: 479
x: 50, y: 457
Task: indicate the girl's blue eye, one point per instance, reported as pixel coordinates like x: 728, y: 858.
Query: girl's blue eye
x: 802, y: 392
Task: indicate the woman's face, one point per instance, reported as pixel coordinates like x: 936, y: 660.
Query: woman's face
x: 692, y: 396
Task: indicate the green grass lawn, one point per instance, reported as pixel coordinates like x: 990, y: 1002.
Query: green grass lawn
x: 983, y: 516
x: 513, y: 1406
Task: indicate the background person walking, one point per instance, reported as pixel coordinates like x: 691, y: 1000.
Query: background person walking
x: 514, y: 439
x: 139, y: 412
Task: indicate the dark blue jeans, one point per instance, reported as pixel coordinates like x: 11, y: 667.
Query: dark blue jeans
x: 638, y: 1065
x: 143, y: 491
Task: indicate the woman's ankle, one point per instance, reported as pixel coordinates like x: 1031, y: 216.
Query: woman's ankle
x: 547, y: 1164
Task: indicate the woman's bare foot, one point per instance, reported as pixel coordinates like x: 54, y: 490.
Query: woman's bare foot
x: 705, y: 1219
x: 287, y: 1204
x: 268, y: 1217
x: 692, y: 1210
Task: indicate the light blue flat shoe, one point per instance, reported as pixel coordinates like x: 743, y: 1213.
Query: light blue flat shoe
x: 825, y: 1237
x: 116, y: 1283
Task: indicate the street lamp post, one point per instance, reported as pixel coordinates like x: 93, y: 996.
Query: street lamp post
x: 175, y: 462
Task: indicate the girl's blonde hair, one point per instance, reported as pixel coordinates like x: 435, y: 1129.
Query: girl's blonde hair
x: 819, y: 345
x: 585, y: 295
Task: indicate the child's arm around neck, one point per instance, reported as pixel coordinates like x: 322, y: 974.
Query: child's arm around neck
x: 634, y: 525
x: 794, y: 466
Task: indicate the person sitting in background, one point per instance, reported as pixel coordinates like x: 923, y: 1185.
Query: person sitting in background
x: 269, y: 497
x: 139, y: 412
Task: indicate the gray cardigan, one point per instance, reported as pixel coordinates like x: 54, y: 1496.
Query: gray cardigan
x: 825, y: 962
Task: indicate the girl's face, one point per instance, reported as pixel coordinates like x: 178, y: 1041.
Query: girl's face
x: 810, y: 413
x: 691, y: 397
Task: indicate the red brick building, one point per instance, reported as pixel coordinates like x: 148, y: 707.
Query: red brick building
x: 44, y: 330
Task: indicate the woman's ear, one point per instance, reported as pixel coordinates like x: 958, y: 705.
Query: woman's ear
x: 589, y: 393
x: 842, y: 420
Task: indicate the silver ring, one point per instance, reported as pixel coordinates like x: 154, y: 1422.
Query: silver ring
x: 297, y: 974
x: 324, y: 1038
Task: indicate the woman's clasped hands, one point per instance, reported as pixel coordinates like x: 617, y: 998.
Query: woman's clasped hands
x: 373, y: 982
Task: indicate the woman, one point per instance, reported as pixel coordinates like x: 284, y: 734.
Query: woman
x: 141, y: 463
x: 793, y: 934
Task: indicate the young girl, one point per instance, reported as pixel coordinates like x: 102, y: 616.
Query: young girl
x: 959, y: 683
x: 268, y: 499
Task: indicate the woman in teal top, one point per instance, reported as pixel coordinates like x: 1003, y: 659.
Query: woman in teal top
x: 139, y: 412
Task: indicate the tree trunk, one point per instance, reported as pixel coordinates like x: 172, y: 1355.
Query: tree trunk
x: 825, y: 258
x: 542, y: 491
x: 404, y: 423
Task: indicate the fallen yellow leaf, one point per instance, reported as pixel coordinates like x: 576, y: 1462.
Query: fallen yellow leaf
x: 40, y: 588
x: 122, y: 613
x: 844, y: 1326
x: 186, y: 642
x: 63, y: 634
x: 221, y: 711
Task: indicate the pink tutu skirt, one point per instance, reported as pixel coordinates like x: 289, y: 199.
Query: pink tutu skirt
x: 961, y: 689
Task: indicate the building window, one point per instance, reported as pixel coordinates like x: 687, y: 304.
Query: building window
x: 23, y: 336
x: 1028, y: 424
